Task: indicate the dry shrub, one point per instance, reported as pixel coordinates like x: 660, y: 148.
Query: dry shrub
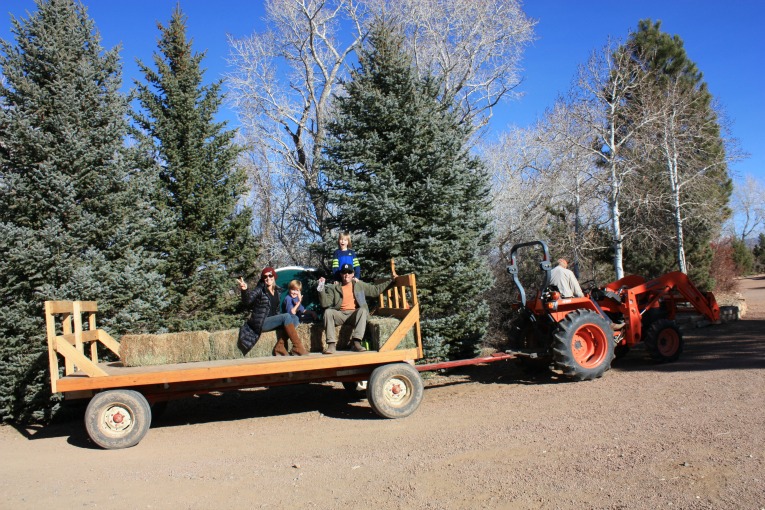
x: 723, y: 269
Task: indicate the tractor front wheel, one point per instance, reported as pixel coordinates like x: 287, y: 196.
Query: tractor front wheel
x: 583, y: 347
x: 663, y: 341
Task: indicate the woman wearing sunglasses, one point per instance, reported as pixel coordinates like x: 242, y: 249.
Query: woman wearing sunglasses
x: 264, y: 302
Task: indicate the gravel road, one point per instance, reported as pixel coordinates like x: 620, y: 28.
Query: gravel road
x: 690, y: 434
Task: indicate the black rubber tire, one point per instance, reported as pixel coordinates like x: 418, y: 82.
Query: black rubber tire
x: 395, y: 390
x: 117, y: 418
x: 621, y: 351
x: 663, y: 341
x: 583, y: 346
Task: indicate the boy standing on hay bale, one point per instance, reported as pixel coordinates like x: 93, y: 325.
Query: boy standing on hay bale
x: 346, y: 301
x: 265, y: 316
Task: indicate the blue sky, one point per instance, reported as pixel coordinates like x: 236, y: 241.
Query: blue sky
x: 723, y: 38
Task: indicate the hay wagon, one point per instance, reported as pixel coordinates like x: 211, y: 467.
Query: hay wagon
x: 121, y: 397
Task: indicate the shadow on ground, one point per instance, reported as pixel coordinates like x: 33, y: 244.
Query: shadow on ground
x: 733, y: 346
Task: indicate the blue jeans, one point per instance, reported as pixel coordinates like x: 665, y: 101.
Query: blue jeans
x: 279, y: 321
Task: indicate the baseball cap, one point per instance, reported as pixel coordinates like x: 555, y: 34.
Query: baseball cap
x: 346, y: 268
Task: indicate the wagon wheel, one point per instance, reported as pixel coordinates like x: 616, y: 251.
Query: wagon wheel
x: 394, y: 390
x: 117, y: 418
x: 663, y: 340
x: 582, y: 345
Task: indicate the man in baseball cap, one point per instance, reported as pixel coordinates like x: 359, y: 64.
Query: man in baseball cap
x: 346, y: 301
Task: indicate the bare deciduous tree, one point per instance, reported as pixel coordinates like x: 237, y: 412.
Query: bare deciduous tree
x: 284, y: 78
x: 599, y: 103
x: 282, y: 88
x: 475, y: 47
x: 748, y: 207
x: 684, y: 134
x: 540, y: 172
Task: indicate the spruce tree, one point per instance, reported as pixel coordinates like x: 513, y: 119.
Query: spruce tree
x: 73, y: 217
x: 402, y: 180
x: 209, y: 238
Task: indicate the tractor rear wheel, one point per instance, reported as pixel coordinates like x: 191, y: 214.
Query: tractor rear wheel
x: 583, y: 347
x: 663, y: 340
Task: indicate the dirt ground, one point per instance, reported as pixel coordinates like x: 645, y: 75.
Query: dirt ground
x: 690, y: 434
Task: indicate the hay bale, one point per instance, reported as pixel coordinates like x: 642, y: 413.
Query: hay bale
x: 379, y: 330
x: 223, y: 343
x: 319, y: 338
x: 164, y: 349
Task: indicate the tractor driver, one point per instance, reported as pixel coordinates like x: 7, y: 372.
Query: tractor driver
x: 564, y: 279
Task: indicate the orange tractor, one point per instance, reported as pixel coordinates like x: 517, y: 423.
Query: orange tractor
x: 581, y: 336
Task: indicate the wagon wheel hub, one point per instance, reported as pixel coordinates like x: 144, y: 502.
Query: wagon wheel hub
x: 117, y: 419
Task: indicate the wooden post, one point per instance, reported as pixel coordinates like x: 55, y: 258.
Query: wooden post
x: 77, y: 315
x: 66, y: 329
x: 50, y: 326
x: 93, y: 345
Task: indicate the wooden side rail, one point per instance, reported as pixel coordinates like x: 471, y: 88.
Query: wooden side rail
x: 68, y: 339
x: 400, y: 301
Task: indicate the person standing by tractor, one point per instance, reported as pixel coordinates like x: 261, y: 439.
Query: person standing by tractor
x: 565, y: 280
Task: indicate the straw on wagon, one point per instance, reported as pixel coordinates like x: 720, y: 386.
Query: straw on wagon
x: 184, y: 347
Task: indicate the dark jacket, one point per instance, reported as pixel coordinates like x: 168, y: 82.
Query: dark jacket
x: 332, y: 295
x: 257, y: 299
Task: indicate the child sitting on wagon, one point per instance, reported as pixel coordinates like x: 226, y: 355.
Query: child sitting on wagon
x: 293, y: 303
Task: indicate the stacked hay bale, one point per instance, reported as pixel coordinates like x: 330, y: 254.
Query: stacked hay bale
x: 170, y: 348
x: 379, y: 330
x: 185, y: 347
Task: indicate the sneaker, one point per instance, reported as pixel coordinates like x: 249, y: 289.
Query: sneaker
x: 357, y: 347
x: 330, y: 349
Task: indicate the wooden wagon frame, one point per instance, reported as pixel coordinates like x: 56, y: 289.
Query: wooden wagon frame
x: 119, y: 413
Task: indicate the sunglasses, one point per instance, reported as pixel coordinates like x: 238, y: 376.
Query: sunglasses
x: 268, y: 276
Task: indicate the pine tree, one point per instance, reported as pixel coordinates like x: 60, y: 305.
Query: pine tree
x: 705, y: 206
x: 402, y: 180
x: 73, y: 218
x: 209, y: 238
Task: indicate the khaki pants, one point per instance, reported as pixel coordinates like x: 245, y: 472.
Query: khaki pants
x: 334, y: 318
